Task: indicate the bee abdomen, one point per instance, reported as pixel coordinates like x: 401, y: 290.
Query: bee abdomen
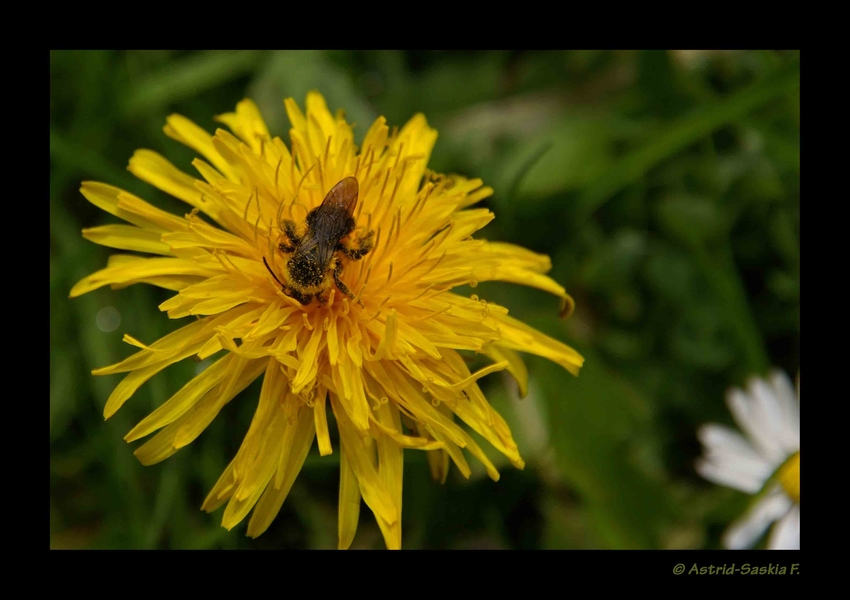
x: 305, y: 273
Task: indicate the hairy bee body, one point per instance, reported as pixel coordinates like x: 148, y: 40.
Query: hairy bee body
x: 315, y: 263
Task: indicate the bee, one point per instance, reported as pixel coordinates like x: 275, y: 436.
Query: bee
x: 315, y: 258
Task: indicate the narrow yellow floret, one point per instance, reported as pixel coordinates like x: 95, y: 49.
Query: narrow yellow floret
x: 385, y: 361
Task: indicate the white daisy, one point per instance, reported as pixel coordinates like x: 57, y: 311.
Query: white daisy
x: 766, y: 462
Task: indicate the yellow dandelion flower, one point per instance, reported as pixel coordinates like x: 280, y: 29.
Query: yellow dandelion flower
x: 372, y: 332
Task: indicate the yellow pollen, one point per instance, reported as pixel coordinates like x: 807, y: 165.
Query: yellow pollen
x: 789, y: 477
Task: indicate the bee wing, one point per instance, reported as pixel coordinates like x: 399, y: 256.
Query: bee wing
x: 326, y: 250
x: 330, y: 221
x: 342, y: 196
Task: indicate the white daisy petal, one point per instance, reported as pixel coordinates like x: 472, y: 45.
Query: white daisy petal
x: 786, y: 534
x: 728, y: 451
x: 745, y: 532
x: 724, y: 440
x: 784, y: 390
x: 755, y: 419
x: 732, y: 478
x: 770, y: 415
x: 790, y: 406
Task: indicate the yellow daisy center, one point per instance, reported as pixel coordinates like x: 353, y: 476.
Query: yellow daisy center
x: 789, y: 477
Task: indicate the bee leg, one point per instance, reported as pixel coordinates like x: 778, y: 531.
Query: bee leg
x: 342, y: 287
x: 364, y: 246
x: 291, y: 233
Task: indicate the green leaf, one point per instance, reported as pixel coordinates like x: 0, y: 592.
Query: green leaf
x: 188, y: 77
x: 692, y: 219
x: 683, y: 132
x: 613, y: 261
x: 577, y: 150
x: 594, y: 418
x: 171, y: 484
x: 698, y: 339
x: 719, y: 269
x: 91, y: 164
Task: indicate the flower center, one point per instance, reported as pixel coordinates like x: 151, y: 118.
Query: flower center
x: 789, y: 477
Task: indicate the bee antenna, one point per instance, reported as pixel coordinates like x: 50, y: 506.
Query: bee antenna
x: 272, y: 272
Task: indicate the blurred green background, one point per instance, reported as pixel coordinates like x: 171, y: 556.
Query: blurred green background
x: 664, y: 185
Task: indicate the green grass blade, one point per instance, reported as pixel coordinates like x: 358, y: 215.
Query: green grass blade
x: 187, y: 78
x: 684, y: 132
